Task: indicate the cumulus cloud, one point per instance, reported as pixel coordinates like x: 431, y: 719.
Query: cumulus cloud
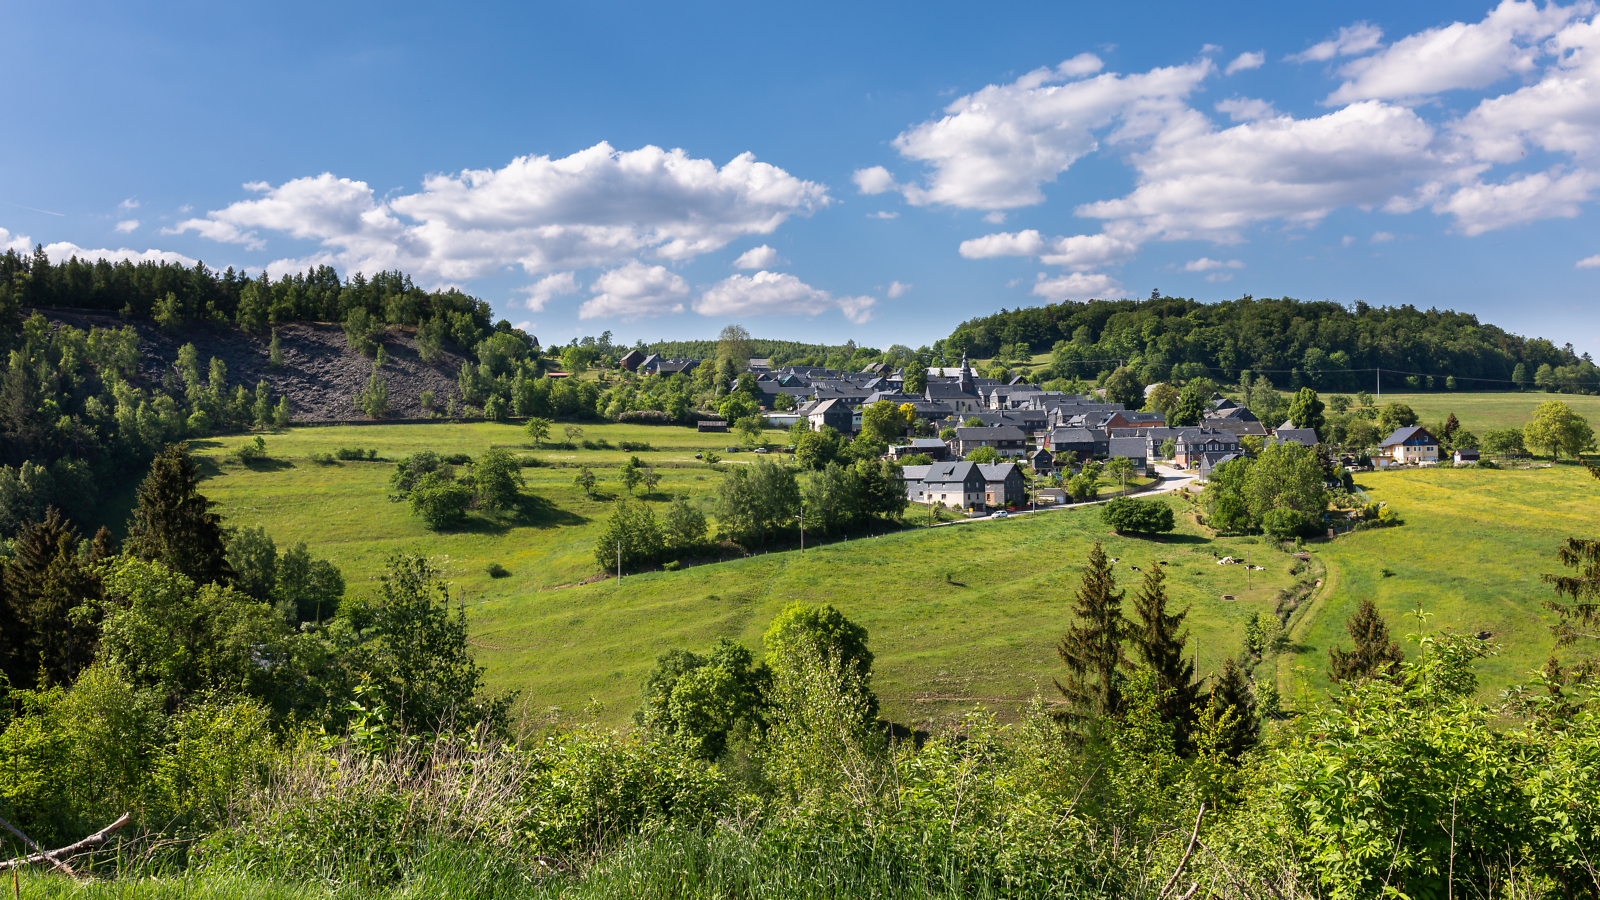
x: 883, y: 214
x: 1206, y: 264
x: 777, y: 294
x: 996, y: 217
x: 634, y: 291
x: 1245, y: 61
x: 1245, y: 109
x: 1480, y: 207
x: 1559, y: 113
x: 1458, y: 55
x: 762, y: 257
x: 524, y: 326
x: 897, y: 289
x: 1590, y: 262
x: 1077, y: 286
x: 542, y: 291
x: 875, y: 180
x: 597, y: 207
x: 129, y: 203
x: 1350, y: 41
x: 1080, y: 251
x: 1380, y: 237
x: 64, y: 250
x: 995, y: 148
x: 127, y: 225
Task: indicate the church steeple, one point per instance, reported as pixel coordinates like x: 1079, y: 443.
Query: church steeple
x: 964, y: 379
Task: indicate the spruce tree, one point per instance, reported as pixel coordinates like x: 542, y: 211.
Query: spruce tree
x: 173, y: 523
x: 275, y: 352
x: 1092, y: 647
x: 1233, y: 694
x: 1580, y: 617
x: 103, y: 547
x: 1160, y: 646
x: 1375, y: 655
x: 44, y: 582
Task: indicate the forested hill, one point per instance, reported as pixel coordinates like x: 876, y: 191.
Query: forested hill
x: 1276, y: 335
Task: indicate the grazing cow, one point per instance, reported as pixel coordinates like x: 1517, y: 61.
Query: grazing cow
x: 1134, y: 568
x: 1116, y: 559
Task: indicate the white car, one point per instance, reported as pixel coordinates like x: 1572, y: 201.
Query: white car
x: 1002, y: 514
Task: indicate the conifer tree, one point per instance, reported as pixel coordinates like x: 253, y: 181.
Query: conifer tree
x: 44, y: 581
x: 1375, y: 655
x: 1581, y: 617
x: 1233, y: 694
x: 275, y: 352
x: 103, y: 547
x: 1160, y: 646
x: 173, y: 522
x: 1092, y: 647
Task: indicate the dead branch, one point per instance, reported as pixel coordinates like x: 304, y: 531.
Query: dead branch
x: 55, y: 857
x: 1194, y: 838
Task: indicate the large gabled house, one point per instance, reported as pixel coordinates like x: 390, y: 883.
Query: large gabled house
x: 958, y: 484
x: 1237, y: 419
x: 1408, y: 445
x: 1007, y: 440
x: 631, y: 360
x: 1003, y: 484
x: 836, y: 414
x: 1134, y: 449
x: 1192, y: 442
x: 1087, y: 443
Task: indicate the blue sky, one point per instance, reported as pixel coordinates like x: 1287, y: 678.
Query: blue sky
x: 827, y: 171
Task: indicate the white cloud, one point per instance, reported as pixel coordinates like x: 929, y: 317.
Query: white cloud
x: 777, y: 294
x: 1347, y: 240
x: 127, y: 225
x: 883, y: 214
x: 996, y: 217
x: 1211, y: 48
x: 875, y: 180
x: 1380, y: 237
x: 1560, y: 113
x: 597, y: 207
x: 1480, y: 207
x: 1454, y: 56
x: 897, y: 289
x: 64, y: 250
x: 1077, y: 286
x: 1350, y: 41
x: 1590, y: 262
x: 129, y: 203
x: 542, y: 291
x: 1245, y: 61
x: 1220, y: 276
x: 994, y: 148
x: 633, y: 291
x: 1246, y: 109
x: 762, y: 257
x: 1080, y: 65
x: 524, y: 326
x: 1210, y: 185
x: 1206, y: 264
x: 1080, y: 251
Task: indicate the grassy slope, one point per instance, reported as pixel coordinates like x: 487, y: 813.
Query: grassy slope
x: 1480, y: 412
x: 1473, y: 547
x: 940, y: 646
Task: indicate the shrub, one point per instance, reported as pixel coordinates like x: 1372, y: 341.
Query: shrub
x: 351, y: 453
x: 1282, y: 524
x: 645, y: 417
x: 496, y: 570
x: 440, y: 500
x: 1138, y: 516
x: 324, y: 459
x: 672, y: 566
x: 457, y: 459
x: 253, y: 452
x: 635, y: 446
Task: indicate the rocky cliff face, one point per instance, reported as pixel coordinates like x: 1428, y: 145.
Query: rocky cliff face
x: 320, y: 374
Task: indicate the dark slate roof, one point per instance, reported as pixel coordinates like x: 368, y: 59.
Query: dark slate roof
x: 1305, y: 437
x: 1144, y: 417
x: 992, y: 433
x: 1401, y: 435
x: 948, y: 472
x: 1135, y: 448
x: 927, y: 444
x: 946, y: 389
x: 1075, y: 436
x: 1210, y: 461
x: 915, y: 473
x: 996, y: 471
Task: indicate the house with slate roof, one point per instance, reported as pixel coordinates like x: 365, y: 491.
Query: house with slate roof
x: 1087, y: 443
x: 1238, y: 420
x: 1007, y: 440
x: 631, y: 360
x: 1209, y: 462
x: 1042, y: 460
x: 1409, y: 445
x: 936, y: 450
x: 1003, y: 484
x: 1192, y: 442
x: 958, y: 484
x: 836, y: 414
x: 1134, y: 449
x: 1305, y: 437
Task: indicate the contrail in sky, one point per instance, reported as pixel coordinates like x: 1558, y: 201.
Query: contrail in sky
x: 31, y: 209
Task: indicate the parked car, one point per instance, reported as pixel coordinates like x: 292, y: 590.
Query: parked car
x: 1002, y: 514
x: 762, y: 450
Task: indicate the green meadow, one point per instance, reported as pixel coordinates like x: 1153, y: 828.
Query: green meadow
x: 1469, y: 555
x: 960, y: 615
x: 1480, y: 412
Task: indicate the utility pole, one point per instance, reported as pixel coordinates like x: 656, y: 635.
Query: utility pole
x: 802, y: 518
x: 619, y: 564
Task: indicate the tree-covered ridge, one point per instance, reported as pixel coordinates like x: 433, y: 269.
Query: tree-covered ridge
x: 172, y: 293
x: 1316, y: 337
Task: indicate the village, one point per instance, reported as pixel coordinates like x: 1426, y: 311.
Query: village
x: 984, y: 446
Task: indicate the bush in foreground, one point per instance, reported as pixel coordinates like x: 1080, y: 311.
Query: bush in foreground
x: 1127, y: 515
